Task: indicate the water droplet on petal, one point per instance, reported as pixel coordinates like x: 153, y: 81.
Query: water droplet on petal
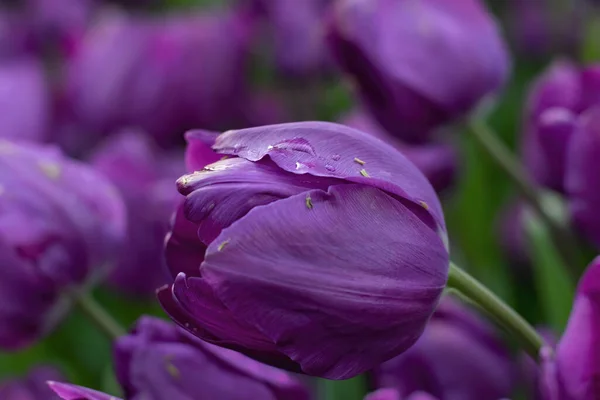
x: 336, y: 157
x: 296, y: 144
x: 329, y: 168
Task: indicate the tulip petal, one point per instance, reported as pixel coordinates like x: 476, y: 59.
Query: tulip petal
x: 73, y: 392
x: 184, y: 251
x: 198, y: 152
x: 287, y: 254
x: 337, y: 151
x: 577, y: 362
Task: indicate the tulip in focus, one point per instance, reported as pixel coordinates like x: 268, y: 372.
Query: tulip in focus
x: 159, y: 361
x: 458, y: 357
x: 61, y: 224
x: 437, y: 161
x: 418, y: 64
x: 145, y: 178
x: 309, y: 246
x: 573, y: 373
x: 31, y: 387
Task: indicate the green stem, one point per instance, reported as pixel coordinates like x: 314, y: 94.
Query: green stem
x: 563, y: 239
x: 504, y: 315
x: 98, y: 315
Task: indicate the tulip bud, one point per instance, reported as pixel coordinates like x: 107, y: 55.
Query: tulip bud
x: 418, y: 64
x: 157, y: 360
x: 436, y: 161
x: 574, y: 372
x: 60, y: 223
x: 161, y: 75
x: 456, y: 346
x: 583, y: 180
x: 31, y: 387
x: 297, y: 31
x: 24, y: 100
x: 318, y: 249
x: 145, y: 178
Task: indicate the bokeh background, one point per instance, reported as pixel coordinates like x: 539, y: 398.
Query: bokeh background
x: 93, y: 76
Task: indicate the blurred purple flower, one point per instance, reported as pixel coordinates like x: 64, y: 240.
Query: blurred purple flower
x: 512, y: 237
x: 58, y: 23
x: 24, y: 100
x: 436, y: 161
x: 159, y: 361
x: 543, y: 27
x: 15, y: 34
x: 574, y: 372
x: 67, y: 391
x: 531, y: 373
x: 582, y: 178
x: 60, y: 224
x: 553, y: 105
x: 418, y: 64
x: 32, y: 386
x: 297, y: 31
x: 298, y: 249
x: 146, y: 179
x: 455, y: 347
x: 161, y: 75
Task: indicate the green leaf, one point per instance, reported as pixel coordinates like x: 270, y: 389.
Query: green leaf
x: 553, y: 283
x: 350, y: 389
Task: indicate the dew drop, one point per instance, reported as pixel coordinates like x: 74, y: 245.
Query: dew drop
x: 329, y: 167
x: 296, y: 144
x: 336, y: 157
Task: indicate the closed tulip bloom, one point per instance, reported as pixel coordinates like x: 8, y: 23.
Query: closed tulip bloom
x: 317, y: 248
x: 145, y: 177
x: 24, y: 100
x: 61, y: 224
x: 554, y: 103
x: 455, y: 347
x: 297, y: 30
x: 574, y: 371
x: 33, y: 386
x: 158, y: 360
x: 392, y: 49
x: 437, y: 161
x: 162, y: 75
x: 583, y: 180
x: 67, y: 391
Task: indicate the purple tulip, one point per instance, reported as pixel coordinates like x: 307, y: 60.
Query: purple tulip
x: 542, y: 28
x: 455, y: 347
x: 31, y: 387
x: 146, y: 179
x: 418, y: 64
x: 24, y: 100
x: 297, y: 31
x: 436, y: 161
x: 157, y: 361
x: 15, y: 34
x: 550, y: 119
x: 58, y: 23
x: 161, y: 75
x: 68, y: 391
x: 304, y: 244
x: 582, y: 180
x: 60, y: 223
x: 574, y: 372
x: 512, y: 237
